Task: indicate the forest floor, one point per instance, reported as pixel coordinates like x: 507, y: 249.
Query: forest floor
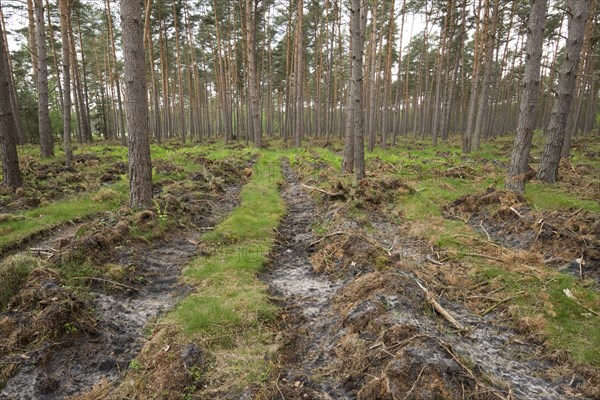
x: 268, y: 274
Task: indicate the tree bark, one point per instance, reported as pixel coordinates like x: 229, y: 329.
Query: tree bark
x: 579, y: 11
x: 45, y: 129
x: 12, y: 93
x: 359, y: 23
x: 483, y: 106
x: 63, y: 6
x: 140, y: 167
x: 529, y: 97
x: 253, y: 103
x: 299, y: 118
x: 8, y: 145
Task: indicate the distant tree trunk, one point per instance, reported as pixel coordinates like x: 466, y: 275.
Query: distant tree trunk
x: 12, y: 93
x: 467, y: 135
x: 372, y: 84
x: 182, y: 126
x: 113, y: 54
x: 438, y: 112
x: 148, y: 40
x: 387, y: 79
x: 140, y: 167
x: 579, y: 11
x: 483, y: 106
x: 31, y: 41
x: 529, y: 97
x: 299, y: 119
x: 8, y: 145
x: 63, y: 6
x: 45, y: 129
x: 82, y: 82
x: 253, y: 97
x: 358, y: 23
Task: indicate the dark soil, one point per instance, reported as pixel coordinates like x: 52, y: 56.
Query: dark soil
x: 309, y: 321
x: 363, y: 328
x: 100, y: 348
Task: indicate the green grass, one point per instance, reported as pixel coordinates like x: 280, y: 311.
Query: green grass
x: 28, y: 223
x: 231, y: 305
x: 244, y: 239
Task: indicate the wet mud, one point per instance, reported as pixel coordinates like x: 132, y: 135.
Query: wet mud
x: 83, y: 352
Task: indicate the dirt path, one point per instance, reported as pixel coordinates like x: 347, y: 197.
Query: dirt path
x: 373, y: 335
x: 61, y: 371
x: 305, y: 298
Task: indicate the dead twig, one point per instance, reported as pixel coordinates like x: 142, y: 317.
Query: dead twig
x: 106, y: 281
x: 328, y: 236
x: 462, y: 253
x: 496, y: 305
x: 516, y: 212
x: 330, y: 194
x: 438, y: 307
x: 414, y: 383
x: 486, y: 232
x: 571, y: 296
x: 432, y: 260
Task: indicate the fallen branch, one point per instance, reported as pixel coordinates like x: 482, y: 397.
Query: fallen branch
x: 432, y: 260
x: 328, y: 236
x: 414, y: 383
x: 486, y: 232
x: 43, y: 251
x: 330, y: 194
x: 438, y: 307
x: 496, y: 305
x: 570, y: 295
x: 516, y: 212
x: 479, y: 255
x: 106, y: 281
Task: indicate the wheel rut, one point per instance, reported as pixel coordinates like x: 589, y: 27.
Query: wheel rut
x: 309, y: 322
x: 60, y: 370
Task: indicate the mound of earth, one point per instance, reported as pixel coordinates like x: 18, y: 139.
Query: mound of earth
x: 570, y: 237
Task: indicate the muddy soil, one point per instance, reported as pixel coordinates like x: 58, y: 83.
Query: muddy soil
x: 371, y: 333
x: 309, y: 319
x: 122, y: 314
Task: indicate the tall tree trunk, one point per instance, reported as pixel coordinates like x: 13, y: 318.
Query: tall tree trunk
x: 63, y: 6
x: 82, y: 81
x: 358, y: 18
x: 45, y: 129
x: 12, y: 93
x: 8, y: 145
x: 31, y: 41
x: 529, y: 97
x: 253, y: 104
x: 578, y: 94
x: 299, y: 119
x: 387, y: 79
x: 437, y: 116
x: 579, y: 11
x: 372, y: 88
x: 484, y: 100
x: 113, y: 54
x: 140, y: 167
x: 149, y: 43
x: 467, y: 135
x: 182, y: 126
